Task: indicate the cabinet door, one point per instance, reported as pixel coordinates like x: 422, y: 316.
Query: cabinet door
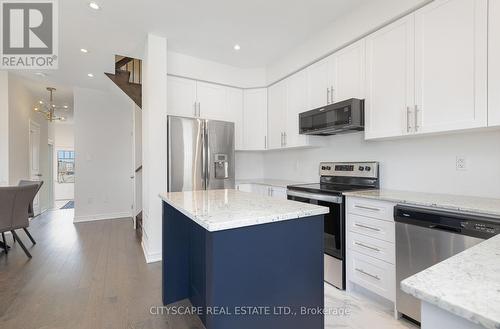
x: 276, y: 115
x: 255, y: 119
x: 212, y: 101
x: 278, y: 192
x: 451, y: 65
x: 296, y: 104
x: 181, y: 96
x: 349, y: 81
x: 494, y: 64
x: 390, y: 80
x: 234, y: 106
x: 320, y: 83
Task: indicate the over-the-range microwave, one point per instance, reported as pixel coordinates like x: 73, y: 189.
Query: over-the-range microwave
x: 337, y: 118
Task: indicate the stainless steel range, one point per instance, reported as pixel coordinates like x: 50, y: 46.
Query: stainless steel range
x: 335, y: 179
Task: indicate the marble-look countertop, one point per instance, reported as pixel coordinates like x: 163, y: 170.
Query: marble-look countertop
x: 460, y: 203
x: 467, y: 284
x: 217, y: 210
x: 271, y: 182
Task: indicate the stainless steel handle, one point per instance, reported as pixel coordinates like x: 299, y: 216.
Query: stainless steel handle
x: 284, y: 139
x: 365, y: 246
x: 195, y: 109
x: 366, y: 208
x: 281, y: 139
x: 367, y: 227
x: 314, y: 196
x: 327, y: 95
x: 38, y: 175
x: 366, y: 273
x: 416, y: 118
x: 408, y: 125
x: 331, y: 94
x: 265, y: 142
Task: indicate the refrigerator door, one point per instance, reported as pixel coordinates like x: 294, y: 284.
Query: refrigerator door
x: 186, y: 165
x: 220, y: 154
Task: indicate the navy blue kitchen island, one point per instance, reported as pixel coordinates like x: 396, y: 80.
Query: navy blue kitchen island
x: 244, y: 260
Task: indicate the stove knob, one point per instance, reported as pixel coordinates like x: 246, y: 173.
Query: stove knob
x: 323, y: 168
x: 368, y: 168
x: 328, y: 168
x: 361, y: 168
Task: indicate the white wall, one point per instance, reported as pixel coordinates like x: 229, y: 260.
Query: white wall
x: 103, y: 154
x: 343, y: 31
x: 21, y: 102
x: 249, y: 165
x: 64, y: 140
x: 4, y: 127
x: 201, y: 69
x: 137, y: 159
x: 425, y: 164
x: 154, y: 143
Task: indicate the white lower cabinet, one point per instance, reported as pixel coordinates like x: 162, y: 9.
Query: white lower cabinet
x: 267, y: 190
x: 370, y: 246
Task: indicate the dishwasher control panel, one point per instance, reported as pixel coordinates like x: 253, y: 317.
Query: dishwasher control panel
x: 488, y: 228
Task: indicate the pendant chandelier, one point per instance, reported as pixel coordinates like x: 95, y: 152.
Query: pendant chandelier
x: 48, y: 109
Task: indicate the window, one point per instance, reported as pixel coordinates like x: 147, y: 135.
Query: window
x: 65, y: 166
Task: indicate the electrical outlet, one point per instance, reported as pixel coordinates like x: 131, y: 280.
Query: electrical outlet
x: 461, y: 163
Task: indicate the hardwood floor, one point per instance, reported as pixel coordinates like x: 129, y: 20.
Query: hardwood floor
x: 87, y: 275
x: 93, y: 275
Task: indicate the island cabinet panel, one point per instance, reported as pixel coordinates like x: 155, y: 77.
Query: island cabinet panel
x: 253, y: 275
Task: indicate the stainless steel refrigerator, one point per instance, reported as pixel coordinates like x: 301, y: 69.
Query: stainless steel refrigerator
x: 200, y: 154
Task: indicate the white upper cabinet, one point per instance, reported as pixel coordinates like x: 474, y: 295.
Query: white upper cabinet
x: 390, y: 80
x: 321, y: 77
x: 211, y: 101
x: 255, y: 119
x: 234, y: 106
x: 494, y: 64
x: 296, y: 104
x: 181, y: 100
x: 349, y: 72
x: 451, y: 65
x: 276, y: 115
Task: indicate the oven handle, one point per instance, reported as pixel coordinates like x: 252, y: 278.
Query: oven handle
x: 314, y: 196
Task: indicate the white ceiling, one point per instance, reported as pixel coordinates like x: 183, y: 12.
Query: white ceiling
x: 265, y: 29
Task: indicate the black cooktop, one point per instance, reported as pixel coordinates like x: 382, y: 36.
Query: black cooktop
x: 326, y: 188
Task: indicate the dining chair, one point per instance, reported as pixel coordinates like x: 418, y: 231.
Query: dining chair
x: 31, y: 212
x: 14, y: 204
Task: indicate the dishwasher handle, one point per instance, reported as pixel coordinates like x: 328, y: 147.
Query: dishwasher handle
x: 445, y: 228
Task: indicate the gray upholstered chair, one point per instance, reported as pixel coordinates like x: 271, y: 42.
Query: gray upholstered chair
x: 31, y: 212
x: 14, y: 204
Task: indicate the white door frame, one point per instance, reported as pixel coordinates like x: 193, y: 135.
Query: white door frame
x: 34, y: 173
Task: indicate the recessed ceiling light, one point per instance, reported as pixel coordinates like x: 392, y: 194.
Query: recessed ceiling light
x: 41, y: 102
x: 94, y: 5
x: 63, y: 118
x: 90, y: 75
x: 65, y: 106
x: 237, y: 47
x: 83, y: 50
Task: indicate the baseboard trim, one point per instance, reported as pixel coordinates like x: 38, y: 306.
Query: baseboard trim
x: 150, y: 257
x: 91, y: 218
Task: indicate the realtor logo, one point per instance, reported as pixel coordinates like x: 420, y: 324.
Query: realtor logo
x: 29, y: 34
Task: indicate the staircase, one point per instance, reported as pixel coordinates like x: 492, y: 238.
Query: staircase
x: 128, y: 77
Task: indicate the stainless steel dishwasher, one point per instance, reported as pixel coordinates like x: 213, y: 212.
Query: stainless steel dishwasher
x: 425, y: 237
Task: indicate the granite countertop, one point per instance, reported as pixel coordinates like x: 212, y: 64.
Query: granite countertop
x: 218, y: 210
x: 467, y: 284
x: 461, y: 203
x: 271, y: 182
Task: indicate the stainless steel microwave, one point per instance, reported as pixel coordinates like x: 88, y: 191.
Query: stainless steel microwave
x: 337, y: 118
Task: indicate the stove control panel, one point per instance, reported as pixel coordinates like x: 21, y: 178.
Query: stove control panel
x: 349, y: 169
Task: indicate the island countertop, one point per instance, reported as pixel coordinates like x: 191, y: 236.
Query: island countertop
x: 467, y: 284
x: 217, y: 210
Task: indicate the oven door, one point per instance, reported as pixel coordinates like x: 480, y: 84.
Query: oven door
x: 334, y: 220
